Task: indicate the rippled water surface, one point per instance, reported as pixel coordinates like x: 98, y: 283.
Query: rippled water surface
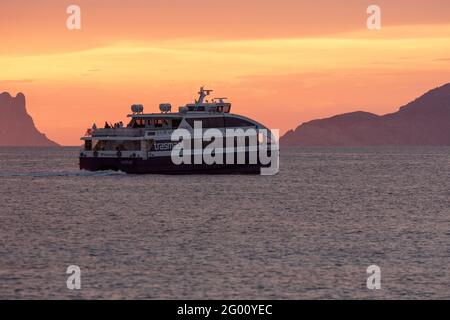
x: 309, y: 232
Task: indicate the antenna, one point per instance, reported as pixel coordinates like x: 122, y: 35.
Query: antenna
x: 220, y: 99
x: 203, y: 93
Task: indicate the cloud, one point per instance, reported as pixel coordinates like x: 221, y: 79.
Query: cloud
x: 17, y: 81
x: 89, y: 72
x: 442, y: 59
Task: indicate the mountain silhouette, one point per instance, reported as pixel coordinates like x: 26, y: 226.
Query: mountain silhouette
x: 16, y: 126
x: 422, y: 122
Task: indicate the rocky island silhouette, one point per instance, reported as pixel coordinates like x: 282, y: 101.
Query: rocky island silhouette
x: 422, y: 122
x: 16, y: 125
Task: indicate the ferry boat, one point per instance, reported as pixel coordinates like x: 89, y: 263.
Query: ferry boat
x: 146, y: 144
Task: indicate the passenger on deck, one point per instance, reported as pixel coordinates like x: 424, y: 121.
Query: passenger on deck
x: 107, y: 126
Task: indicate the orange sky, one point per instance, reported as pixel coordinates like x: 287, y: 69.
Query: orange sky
x: 280, y: 62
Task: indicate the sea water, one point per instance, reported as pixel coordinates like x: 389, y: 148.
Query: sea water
x: 309, y: 232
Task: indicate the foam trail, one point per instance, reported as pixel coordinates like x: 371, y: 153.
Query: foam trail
x: 81, y: 173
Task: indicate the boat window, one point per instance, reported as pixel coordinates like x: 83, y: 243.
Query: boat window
x: 138, y: 123
x: 161, y: 123
x: 118, y: 145
x: 225, y: 108
x: 213, y: 122
x: 88, y: 145
x: 236, y: 122
x: 196, y: 108
x: 176, y: 123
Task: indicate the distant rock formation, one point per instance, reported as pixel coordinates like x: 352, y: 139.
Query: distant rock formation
x: 16, y: 126
x: 423, y: 122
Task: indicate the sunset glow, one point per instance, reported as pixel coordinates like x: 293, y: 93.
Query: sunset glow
x: 279, y: 71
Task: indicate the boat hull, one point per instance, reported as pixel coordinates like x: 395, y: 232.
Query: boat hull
x: 163, y: 165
